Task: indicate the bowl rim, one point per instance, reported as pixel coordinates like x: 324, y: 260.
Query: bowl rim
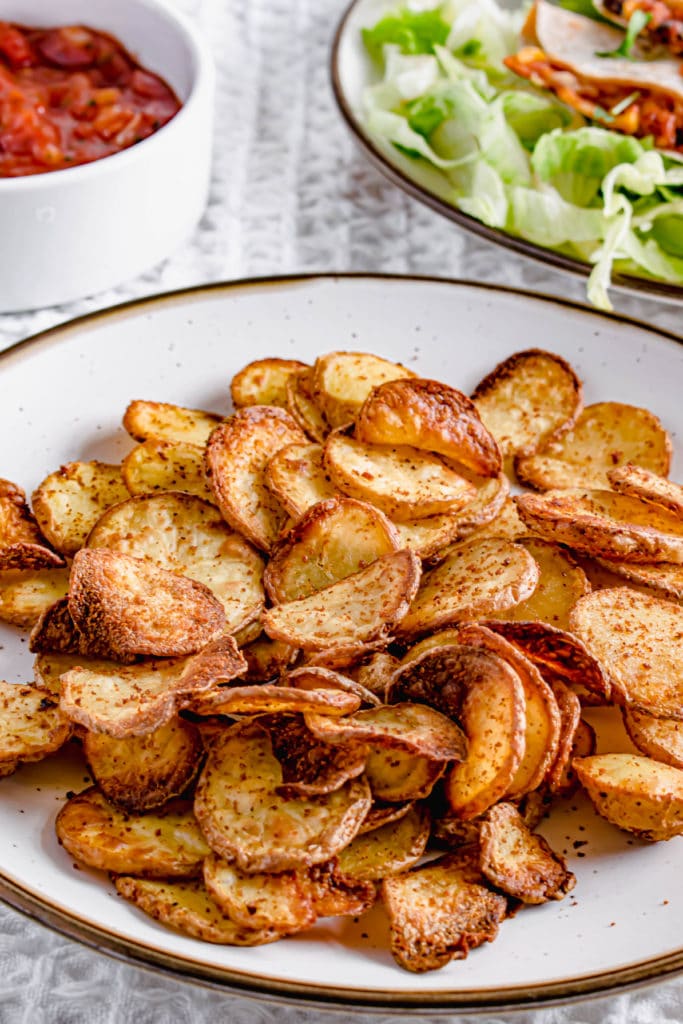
x: 202, y: 71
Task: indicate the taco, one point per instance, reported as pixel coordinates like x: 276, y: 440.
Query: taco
x: 574, y: 57
x: 664, y: 26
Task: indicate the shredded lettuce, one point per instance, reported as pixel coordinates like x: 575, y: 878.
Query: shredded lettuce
x: 454, y: 118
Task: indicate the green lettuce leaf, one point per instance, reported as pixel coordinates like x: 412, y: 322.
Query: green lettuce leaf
x: 411, y: 31
x: 576, y: 162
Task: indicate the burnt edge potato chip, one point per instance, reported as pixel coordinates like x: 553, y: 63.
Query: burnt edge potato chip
x: 22, y: 545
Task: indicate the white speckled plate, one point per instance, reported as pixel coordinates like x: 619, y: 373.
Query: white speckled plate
x: 63, y: 394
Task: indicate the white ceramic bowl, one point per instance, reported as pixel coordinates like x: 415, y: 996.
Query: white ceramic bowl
x: 70, y: 233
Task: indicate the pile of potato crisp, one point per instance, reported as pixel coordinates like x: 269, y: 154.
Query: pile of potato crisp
x: 308, y: 644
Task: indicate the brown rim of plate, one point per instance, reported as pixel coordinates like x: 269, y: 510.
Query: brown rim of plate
x: 548, y: 256
x: 310, y: 995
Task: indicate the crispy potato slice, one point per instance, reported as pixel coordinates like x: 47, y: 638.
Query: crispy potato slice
x: 494, y: 720
x: 167, y: 422
x: 343, y: 658
x: 602, y: 523
x: 429, y: 536
x: 478, y: 577
x: 277, y: 903
x: 266, y: 698
x: 356, y: 610
x: 543, y: 722
x: 527, y: 399
x: 334, y: 894
x: 188, y: 907
x: 389, y: 849
x: 635, y: 793
x: 157, y: 465
x: 637, y: 640
x: 55, y: 631
x: 31, y: 723
x: 143, y: 772
x: 505, y: 524
x: 648, y: 485
x: 415, y: 728
x: 519, y: 861
x: 165, y: 844
x: 441, y: 911
x: 558, y: 652
x: 309, y: 765
x: 341, y: 381
x: 659, y: 738
x: 605, y: 435
x: 22, y: 545
x: 382, y: 813
x: 236, y: 457
x: 302, y: 407
x: 245, y: 819
x: 186, y: 535
x: 68, y: 503
x: 26, y: 594
x: 131, y: 700
x: 403, y: 482
x: 125, y: 606
x: 397, y: 776
x: 662, y: 579
x: 561, y: 583
x: 297, y: 478
x: 569, y: 706
x: 428, y: 415
x: 48, y: 669
x: 266, y: 659
x: 376, y: 672
x: 331, y: 541
x: 264, y: 382
x: 314, y: 677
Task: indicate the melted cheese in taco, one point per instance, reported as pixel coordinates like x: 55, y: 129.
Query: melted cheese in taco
x: 636, y: 97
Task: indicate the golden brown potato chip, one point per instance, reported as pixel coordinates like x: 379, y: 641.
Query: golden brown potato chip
x: 343, y: 658
x: 236, y: 457
x: 356, y: 610
x: 264, y: 382
x: 506, y: 523
x: 266, y: 698
x: 297, y: 478
x: 55, y: 631
x: 519, y: 861
x: 277, y: 903
x: 477, y: 578
x: 403, y: 482
x: 561, y: 583
x: 397, y: 775
x: 542, y: 730
x: 331, y: 541
x: 25, y: 594
x: 528, y: 398
x: 125, y: 606
x: 341, y: 381
x: 167, y: 422
x: 31, y: 723
x: 441, y: 911
x: 309, y: 765
x: 415, y: 728
x: 605, y: 435
x: 429, y: 536
x: 186, y: 535
x: 569, y: 707
x: 314, y: 677
x: 635, y: 793
x: 661, y: 579
x: 187, y: 907
x: 245, y: 819
x: 603, y: 523
x: 157, y: 465
x: 163, y: 844
x: 68, y: 503
x: 143, y: 772
x: 659, y: 738
x: 218, y: 662
x: 375, y: 673
x: 494, y: 720
x: 637, y: 640
x: 388, y: 849
x: 643, y: 483
x: 428, y: 415
x: 22, y: 546
x: 336, y: 895
x: 382, y: 813
x: 558, y: 652
x: 266, y: 659
x: 302, y: 407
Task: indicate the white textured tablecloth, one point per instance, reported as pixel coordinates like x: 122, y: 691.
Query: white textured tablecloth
x: 290, y: 192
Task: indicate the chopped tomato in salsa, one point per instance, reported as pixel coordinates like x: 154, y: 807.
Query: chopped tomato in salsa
x: 72, y: 95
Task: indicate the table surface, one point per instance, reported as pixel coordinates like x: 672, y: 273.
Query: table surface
x: 290, y: 192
